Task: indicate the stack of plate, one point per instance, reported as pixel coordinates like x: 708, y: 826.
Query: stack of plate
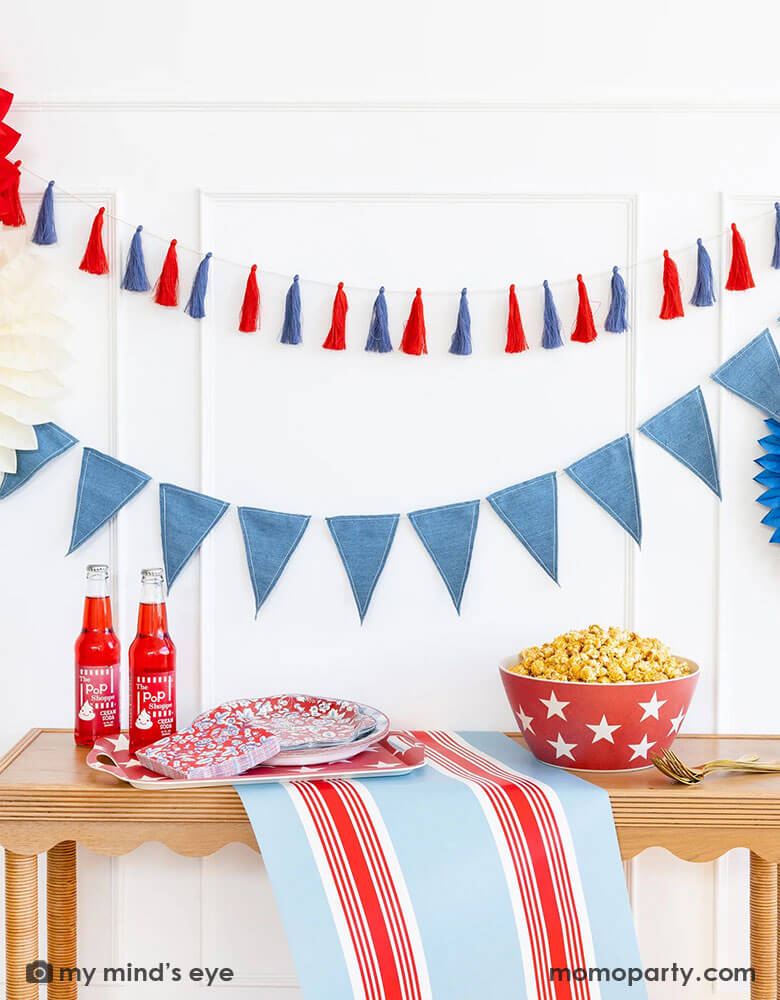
x: 312, y: 730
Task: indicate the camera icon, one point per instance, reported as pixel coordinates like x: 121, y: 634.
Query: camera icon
x: 39, y: 972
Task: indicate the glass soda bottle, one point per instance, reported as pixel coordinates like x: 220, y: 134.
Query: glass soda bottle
x: 152, y: 667
x: 97, y: 665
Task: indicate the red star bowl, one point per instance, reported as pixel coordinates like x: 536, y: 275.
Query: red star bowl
x: 598, y: 727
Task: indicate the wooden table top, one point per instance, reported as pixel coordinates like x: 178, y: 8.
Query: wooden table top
x: 48, y: 794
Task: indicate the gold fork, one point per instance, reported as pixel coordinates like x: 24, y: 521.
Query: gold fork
x: 669, y: 763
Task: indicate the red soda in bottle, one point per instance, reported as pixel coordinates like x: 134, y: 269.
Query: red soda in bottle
x: 152, y: 667
x: 97, y: 665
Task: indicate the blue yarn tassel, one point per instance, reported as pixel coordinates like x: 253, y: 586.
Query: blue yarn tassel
x: 196, y: 303
x: 291, y: 327
x: 135, y: 279
x: 45, y: 232
x: 776, y: 254
x: 551, y: 333
x: 704, y: 289
x: 461, y: 338
x: 378, y: 331
x: 617, y: 320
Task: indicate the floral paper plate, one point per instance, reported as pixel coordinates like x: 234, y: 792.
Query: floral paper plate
x: 301, y: 722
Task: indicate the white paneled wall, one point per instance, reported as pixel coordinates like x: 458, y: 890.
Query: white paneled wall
x: 439, y: 153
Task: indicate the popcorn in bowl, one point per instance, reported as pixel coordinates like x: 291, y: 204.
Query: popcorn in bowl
x: 598, y: 655
x: 599, y: 699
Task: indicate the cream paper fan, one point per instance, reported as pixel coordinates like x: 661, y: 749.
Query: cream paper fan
x: 31, y: 351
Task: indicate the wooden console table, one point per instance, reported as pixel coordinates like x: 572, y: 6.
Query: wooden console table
x: 50, y: 801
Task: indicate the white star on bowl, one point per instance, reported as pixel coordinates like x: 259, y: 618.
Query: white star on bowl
x: 525, y: 720
x: 676, y: 722
x: 554, y: 707
x: 640, y: 749
x: 602, y: 731
x: 561, y: 747
x: 652, y: 707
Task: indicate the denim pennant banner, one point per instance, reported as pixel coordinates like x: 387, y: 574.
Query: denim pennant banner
x: 186, y: 517
x: 608, y: 476
x: 105, y: 486
x: 270, y: 538
x: 52, y: 441
x: 363, y: 542
x: 448, y: 535
x: 683, y: 429
x: 530, y: 511
x: 754, y: 374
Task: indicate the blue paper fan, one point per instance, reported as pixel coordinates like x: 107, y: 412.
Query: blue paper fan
x: 770, y: 478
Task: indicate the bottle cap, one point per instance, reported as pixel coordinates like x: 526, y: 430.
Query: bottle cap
x: 97, y: 571
x: 152, y: 575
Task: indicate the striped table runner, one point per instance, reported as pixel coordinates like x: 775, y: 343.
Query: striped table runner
x: 469, y: 879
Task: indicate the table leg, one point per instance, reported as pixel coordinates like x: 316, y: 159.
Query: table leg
x: 21, y: 924
x: 61, y: 917
x: 763, y: 928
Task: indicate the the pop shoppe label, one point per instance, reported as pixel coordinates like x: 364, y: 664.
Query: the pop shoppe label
x: 153, y: 702
x: 98, y: 698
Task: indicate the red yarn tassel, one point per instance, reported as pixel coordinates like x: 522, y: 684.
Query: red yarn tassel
x: 672, y: 306
x: 166, y: 291
x: 250, y: 310
x: 13, y: 213
x: 336, y: 339
x: 584, y: 328
x: 515, y: 334
x: 413, y: 340
x: 94, y: 260
x: 740, y: 275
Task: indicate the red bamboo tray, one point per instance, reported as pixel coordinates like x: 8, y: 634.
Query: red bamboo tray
x: 395, y: 754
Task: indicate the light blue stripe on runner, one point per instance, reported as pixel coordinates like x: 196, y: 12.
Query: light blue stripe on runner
x: 456, y: 884
x: 592, y: 829
x: 297, y: 886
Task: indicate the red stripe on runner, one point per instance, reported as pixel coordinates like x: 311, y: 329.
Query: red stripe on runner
x: 387, y: 889
x: 559, y: 861
x: 535, y: 837
x: 369, y: 899
x: 349, y: 904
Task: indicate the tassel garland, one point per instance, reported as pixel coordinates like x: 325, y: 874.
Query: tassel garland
x: 135, y: 278
x: 45, y: 232
x: 413, y: 340
x: 94, y: 260
x: 776, y: 254
x: 336, y: 339
x: 461, y: 338
x: 671, y: 307
x: 250, y: 308
x: 196, y: 303
x: 740, y: 276
x: 617, y: 318
x: 291, y: 327
x: 166, y: 291
x: 515, y: 334
x: 13, y: 213
x: 584, y: 328
x: 551, y: 330
x: 704, y: 289
x: 378, y: 330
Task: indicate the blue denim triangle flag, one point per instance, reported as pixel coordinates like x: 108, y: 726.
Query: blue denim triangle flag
x: 754, y: 374
x: 363, y: 542
x: 186, y: 517
x: 105, y: 486
x: 448, y: 535
x: 530, y: 511
x: 608, y: 476
x: 52, y: 441
x: 683, y: 429
x: 270, y: 538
